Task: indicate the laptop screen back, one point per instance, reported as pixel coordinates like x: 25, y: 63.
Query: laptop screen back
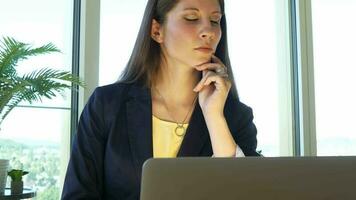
x: 250, y: 178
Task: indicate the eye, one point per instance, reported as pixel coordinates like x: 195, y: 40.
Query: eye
x: 191, y: 17
x: 215, y: 22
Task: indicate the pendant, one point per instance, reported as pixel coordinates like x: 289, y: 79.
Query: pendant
x: 180, y: 130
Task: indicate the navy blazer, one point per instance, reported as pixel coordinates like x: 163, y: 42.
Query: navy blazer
x: 114, y: 139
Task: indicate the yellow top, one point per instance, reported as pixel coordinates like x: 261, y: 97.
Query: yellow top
x: 166, y: 142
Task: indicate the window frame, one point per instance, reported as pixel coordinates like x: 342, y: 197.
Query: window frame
x: 303, y: 78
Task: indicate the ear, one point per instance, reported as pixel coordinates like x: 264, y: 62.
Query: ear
x: 156, y: 32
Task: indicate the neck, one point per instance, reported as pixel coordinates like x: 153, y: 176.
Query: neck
x: 176, y: 83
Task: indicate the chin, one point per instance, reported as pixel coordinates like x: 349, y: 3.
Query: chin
x: 203, y: 61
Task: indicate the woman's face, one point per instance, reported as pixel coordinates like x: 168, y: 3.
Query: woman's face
x: 191, y: 32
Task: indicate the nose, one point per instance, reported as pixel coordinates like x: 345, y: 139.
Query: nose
x: 207, y: 33
x: 207, y: 36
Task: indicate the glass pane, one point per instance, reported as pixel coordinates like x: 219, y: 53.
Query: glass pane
x: 117, y: 36
x: 36, y: 140
x: 334, y: 69
x: 252, y: 27
x: 38, y: 22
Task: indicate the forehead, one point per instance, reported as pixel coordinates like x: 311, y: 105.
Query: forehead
x: 200, y: 5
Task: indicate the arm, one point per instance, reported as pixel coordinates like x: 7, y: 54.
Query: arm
x: 241, y: 130
x: 84, y: 177
x: 223, y: 144
x: 213, y: 91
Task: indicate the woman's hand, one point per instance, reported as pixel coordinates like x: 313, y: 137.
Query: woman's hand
x: 213, y: 88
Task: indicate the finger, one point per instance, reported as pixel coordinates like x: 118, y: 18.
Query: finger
x: 200, y: 85
x: 219, y: 82
x: 217, y: 68
x: 215, y: 59
x: 208, y: 66
x: 222, y: 71
x: 206, y: 75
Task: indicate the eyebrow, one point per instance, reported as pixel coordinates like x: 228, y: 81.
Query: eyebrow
x: 196, y: 9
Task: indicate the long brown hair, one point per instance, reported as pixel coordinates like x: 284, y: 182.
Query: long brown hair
x: 145, y: 58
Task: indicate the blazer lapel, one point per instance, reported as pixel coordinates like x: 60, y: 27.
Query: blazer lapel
x: 139, y: 124
x: 196, y: 136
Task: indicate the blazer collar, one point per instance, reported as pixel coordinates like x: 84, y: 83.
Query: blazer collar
x: 139, y: 124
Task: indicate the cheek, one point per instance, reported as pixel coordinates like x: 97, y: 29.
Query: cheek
x: 179, y: 35
x: 218, y: 37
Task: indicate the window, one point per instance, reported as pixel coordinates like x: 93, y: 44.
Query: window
x: 334, y: 70
x: 258, y: 44
x: 119, y: 24
x: 36, y: 137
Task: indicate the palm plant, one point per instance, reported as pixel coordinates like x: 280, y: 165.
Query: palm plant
x: 32, y: 86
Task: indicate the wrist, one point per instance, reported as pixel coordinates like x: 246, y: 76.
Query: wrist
x: 211, y: 115
x: 214, y: 118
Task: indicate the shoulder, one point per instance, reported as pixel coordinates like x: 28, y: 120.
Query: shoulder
x: 111, y: 90
x: 118, y: 92
x: 107, y: 101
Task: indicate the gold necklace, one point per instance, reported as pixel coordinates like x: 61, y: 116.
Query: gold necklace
x: 179, y: 130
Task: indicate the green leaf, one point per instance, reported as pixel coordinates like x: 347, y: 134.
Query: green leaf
x: 17, y: 174
x: 43, y: 83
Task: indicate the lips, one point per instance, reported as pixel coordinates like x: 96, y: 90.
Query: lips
x: 204, y: 49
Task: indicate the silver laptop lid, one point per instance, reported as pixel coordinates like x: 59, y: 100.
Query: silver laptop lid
x: 250, y: 178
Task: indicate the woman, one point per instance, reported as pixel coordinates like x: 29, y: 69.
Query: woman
x: 175, y: 98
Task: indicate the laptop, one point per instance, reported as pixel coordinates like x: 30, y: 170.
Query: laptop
x: 250, y: 178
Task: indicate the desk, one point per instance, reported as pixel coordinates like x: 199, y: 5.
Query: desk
x: 27, y: 193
